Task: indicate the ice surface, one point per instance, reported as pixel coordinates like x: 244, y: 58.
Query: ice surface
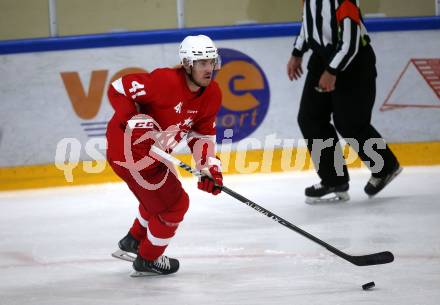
x: 55, y: 245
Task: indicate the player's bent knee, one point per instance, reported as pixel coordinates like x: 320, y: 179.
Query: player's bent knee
x: 176, y: 213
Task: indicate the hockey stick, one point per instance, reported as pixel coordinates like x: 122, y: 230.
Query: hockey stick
x: 360, y: 260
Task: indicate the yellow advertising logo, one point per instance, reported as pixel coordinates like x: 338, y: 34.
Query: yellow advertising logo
x: 252, y: 80
x: 246, y: 95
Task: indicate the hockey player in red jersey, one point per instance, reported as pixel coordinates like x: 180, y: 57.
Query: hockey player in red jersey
x: 171, y: 104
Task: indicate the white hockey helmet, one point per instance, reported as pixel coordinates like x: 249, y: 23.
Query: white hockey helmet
x: 198, y: 47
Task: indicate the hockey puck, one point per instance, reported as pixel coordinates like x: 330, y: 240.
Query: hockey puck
x: 368, y: 286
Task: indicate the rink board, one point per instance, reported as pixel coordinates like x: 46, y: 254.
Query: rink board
x: 38, y: 176
x: 51, y: 93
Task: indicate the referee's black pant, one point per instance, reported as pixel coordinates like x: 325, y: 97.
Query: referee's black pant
x: 350, y: 106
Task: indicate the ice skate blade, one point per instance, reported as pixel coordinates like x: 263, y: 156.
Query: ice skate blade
x: 143, y: 274
x: 334, y: 198
x: 125, y: 256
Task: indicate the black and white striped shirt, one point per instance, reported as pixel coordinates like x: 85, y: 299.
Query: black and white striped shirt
x: 334, y: 25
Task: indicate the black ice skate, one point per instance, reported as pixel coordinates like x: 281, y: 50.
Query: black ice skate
x: 128, y: 246
x: 376, y: 184
x: 161, y: 266
x: 319, y: 193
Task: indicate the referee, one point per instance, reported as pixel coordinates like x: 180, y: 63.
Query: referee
x: 340, y: 85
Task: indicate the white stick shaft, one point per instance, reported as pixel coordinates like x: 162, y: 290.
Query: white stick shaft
x: 164, y: 155
x: 175, y: 161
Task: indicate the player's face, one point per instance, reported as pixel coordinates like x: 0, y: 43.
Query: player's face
x: 202, y: 71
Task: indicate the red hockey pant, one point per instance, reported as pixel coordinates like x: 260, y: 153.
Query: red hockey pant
x: 160, y: 210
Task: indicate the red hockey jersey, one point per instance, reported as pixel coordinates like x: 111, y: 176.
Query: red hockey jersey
x: 163, y: 95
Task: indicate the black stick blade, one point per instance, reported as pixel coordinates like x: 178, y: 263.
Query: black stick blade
x: 372, y: 259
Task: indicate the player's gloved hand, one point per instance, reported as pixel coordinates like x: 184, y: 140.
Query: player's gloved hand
x: 143, y: 133
x: 212, y: 179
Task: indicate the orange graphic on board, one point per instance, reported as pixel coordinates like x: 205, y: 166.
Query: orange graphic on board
x: 87, y: 104
x: 429, y: 70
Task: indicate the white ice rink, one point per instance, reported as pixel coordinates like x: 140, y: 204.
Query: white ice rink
x: 55, y: 245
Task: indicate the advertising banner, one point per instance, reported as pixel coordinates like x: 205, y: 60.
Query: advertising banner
x: 48, y: 97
